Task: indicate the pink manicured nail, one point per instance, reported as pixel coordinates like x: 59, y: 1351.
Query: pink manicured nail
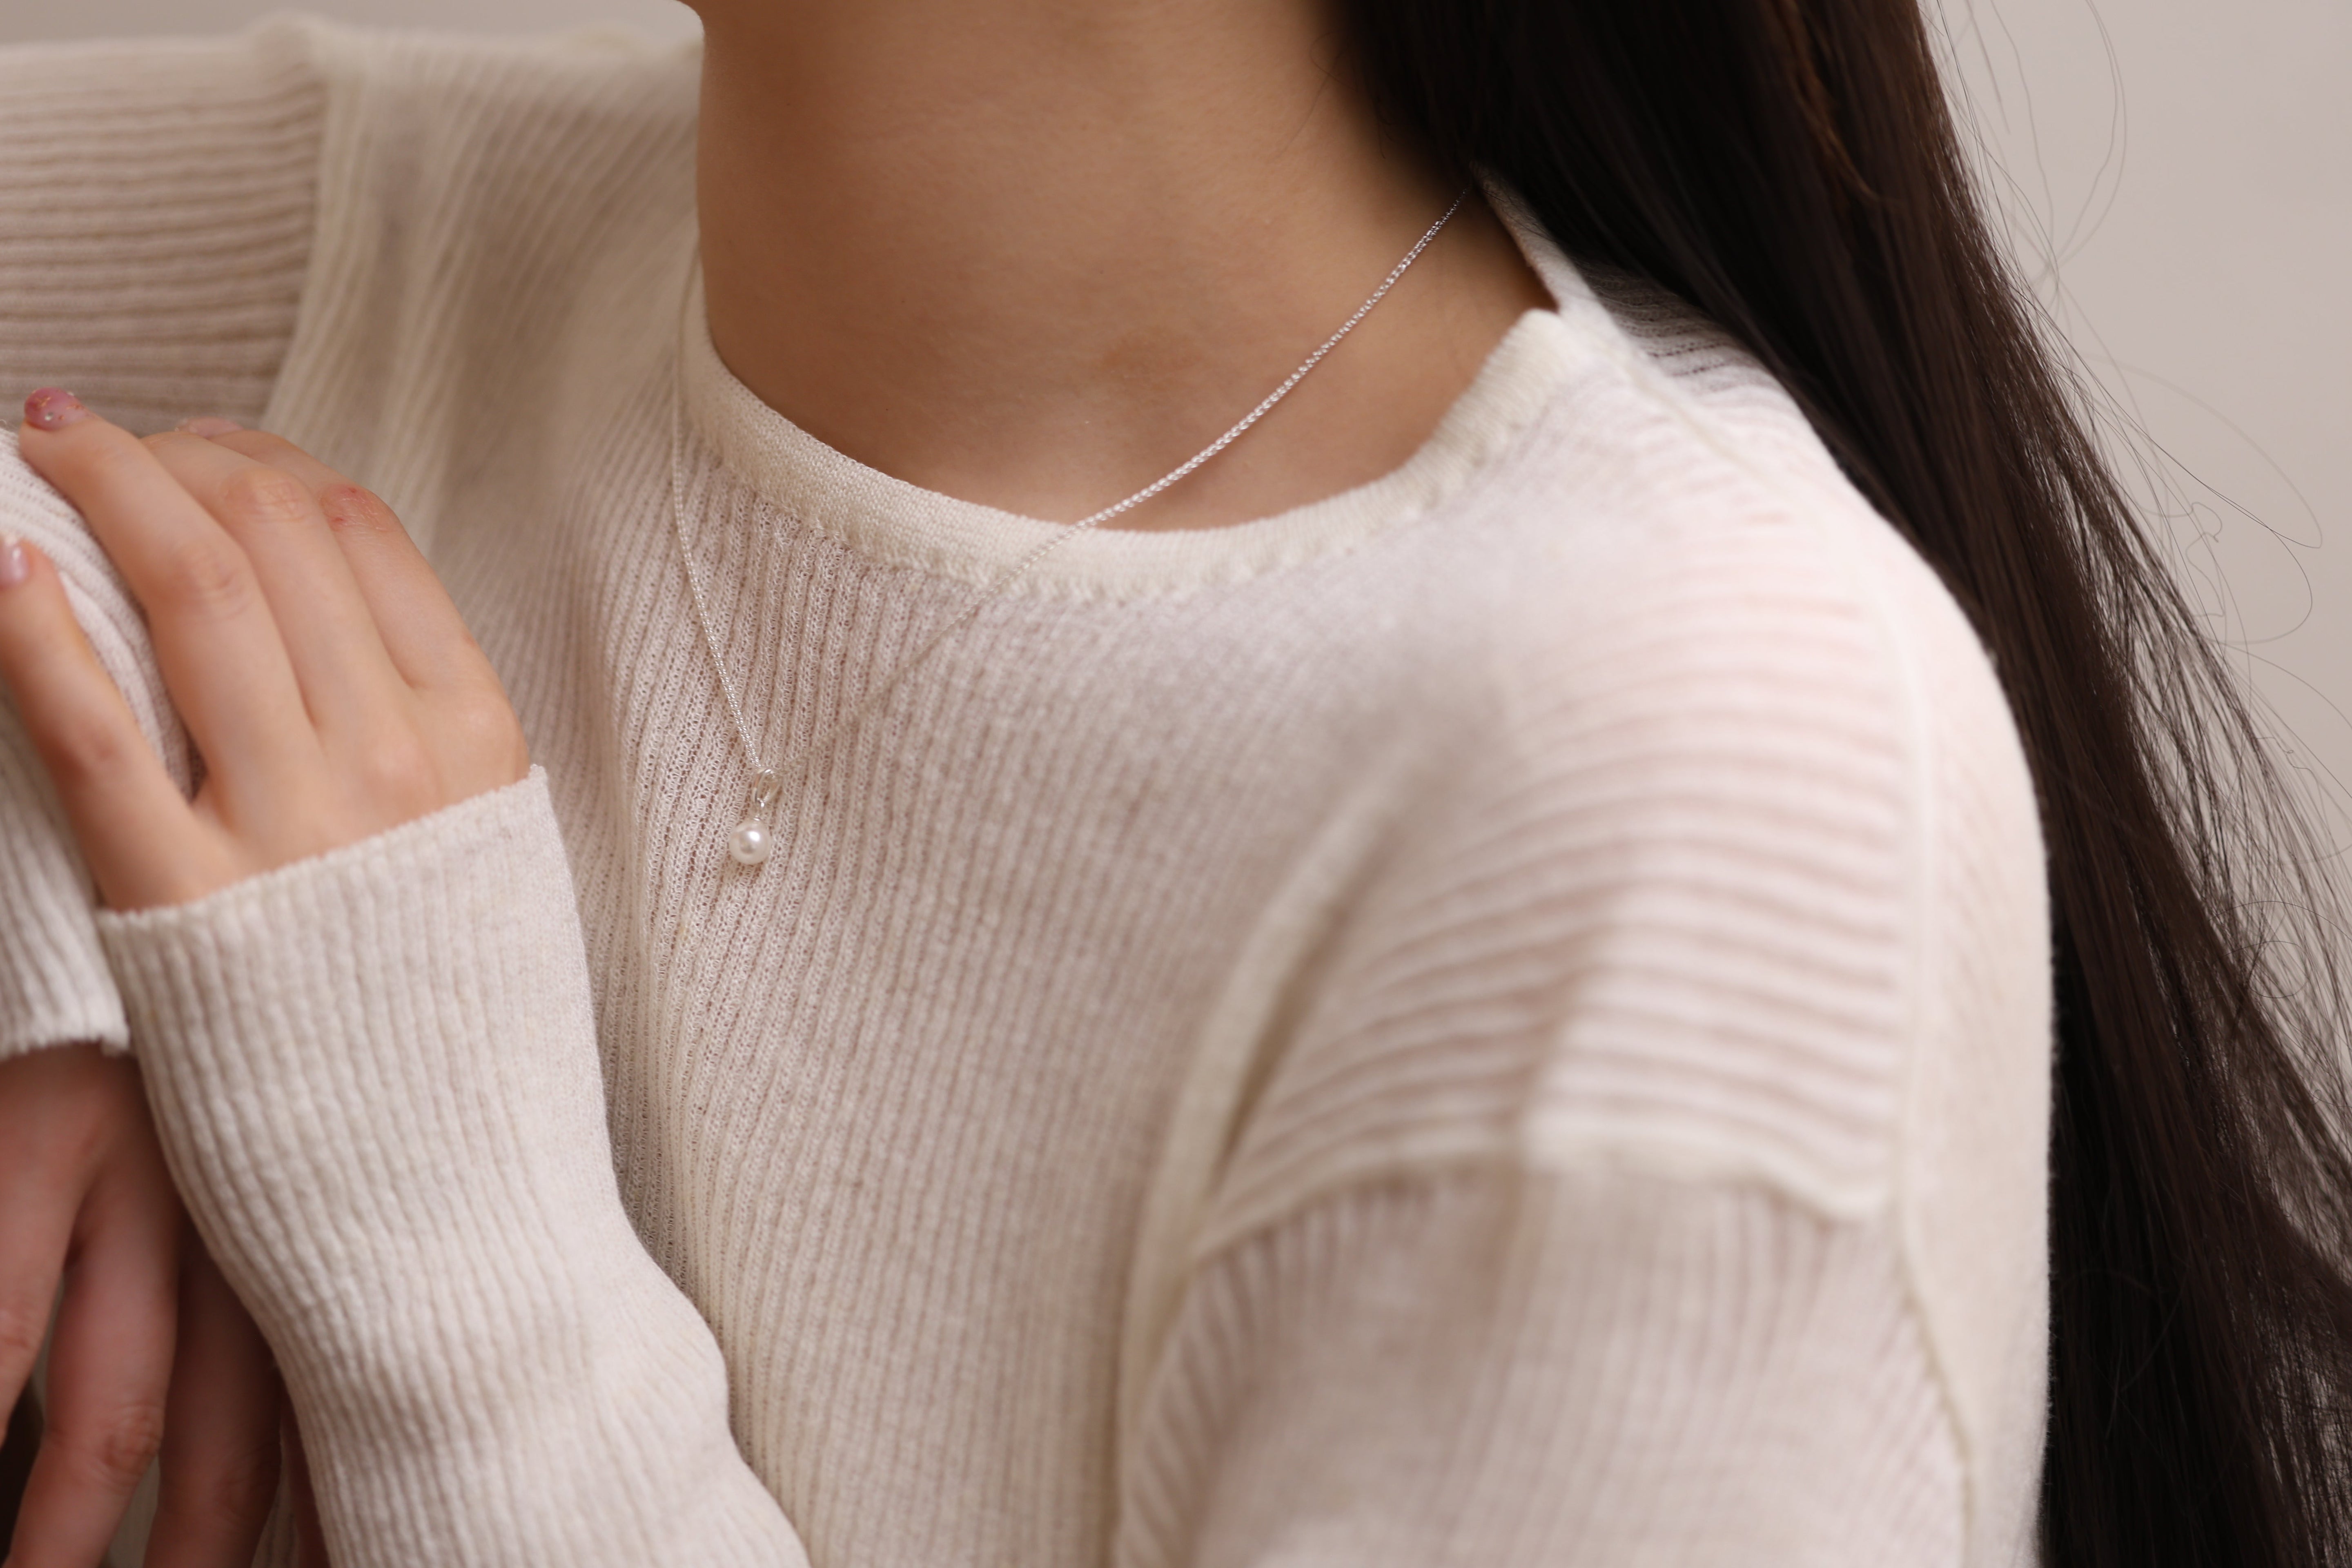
x: 207, y: 425
x: 16, y: 564
x: 54, y: 408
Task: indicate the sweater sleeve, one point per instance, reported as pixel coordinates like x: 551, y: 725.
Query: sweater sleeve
x: 155, y: 201
x: 1647, y: 1164
x: 1500, y: 1368
x: 54, y: 981
x: 376, y: 1077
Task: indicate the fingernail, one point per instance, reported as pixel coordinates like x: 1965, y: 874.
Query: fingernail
x: 53, y: 408
x: 15, y: 561
x: 207, y: 425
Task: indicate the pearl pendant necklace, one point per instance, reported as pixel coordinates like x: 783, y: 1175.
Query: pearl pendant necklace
x: 753, y: 840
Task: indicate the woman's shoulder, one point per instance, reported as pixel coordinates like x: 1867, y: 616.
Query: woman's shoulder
x: 1724, y: 868
x: 156, y: 206
x: 178, y: 215
x: 485, y: 207
x: 1729, y: 843
x: 1683, y: 551
x: 1825, y: 962
x: 1684, y: 580
x: 525, y: 84
x: 271, y: 71
x: 473, y: 143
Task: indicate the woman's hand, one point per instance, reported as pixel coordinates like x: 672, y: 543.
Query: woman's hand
x: 151, y: 1351
x: 333, y: 692
x: 324, y: 676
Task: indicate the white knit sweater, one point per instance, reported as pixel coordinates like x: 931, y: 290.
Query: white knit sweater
x: 1501, y: 1018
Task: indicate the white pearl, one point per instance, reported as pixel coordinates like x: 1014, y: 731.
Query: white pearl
x: 750, y: 844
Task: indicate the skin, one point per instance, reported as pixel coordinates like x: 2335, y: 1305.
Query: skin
x: 152, y: 1357
x: 275, y: 589
x: 1033, y: 253
x: 1036, y: 253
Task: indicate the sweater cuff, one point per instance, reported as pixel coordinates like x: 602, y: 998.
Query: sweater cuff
x: 376, y: 1077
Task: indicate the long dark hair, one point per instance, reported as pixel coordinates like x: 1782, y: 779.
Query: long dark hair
x: 1789, y: 168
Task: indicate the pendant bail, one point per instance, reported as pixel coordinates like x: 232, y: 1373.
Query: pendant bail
x: 766, y: 790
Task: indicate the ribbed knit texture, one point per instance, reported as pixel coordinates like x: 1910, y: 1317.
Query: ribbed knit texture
x: 158, y: 215
x: 449, y: 1004
x: 1501, y: 1018
x: 52, y: 979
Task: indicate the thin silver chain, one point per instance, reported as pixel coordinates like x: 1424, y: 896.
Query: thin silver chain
x: 767, y: 782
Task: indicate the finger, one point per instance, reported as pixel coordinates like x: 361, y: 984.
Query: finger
x: 220, y: 651
x: 428, y: 640
x: 340, y: 662
x: 136, y: 832
x: 46, y: 1157
x: 109, y: 1364
x: 36, y: 1222
x: 220, y: 1457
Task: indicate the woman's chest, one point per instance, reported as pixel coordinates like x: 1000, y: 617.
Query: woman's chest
x: 888, y: 1106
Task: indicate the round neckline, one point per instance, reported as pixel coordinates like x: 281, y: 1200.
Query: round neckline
x: 900, y: 524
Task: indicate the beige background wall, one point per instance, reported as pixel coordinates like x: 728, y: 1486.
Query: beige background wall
x: 2175, y: 175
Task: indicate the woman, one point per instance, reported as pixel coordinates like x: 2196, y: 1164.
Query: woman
x: 1470, y: 981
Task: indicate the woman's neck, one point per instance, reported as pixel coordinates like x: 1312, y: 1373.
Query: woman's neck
x: 1036, y: 252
